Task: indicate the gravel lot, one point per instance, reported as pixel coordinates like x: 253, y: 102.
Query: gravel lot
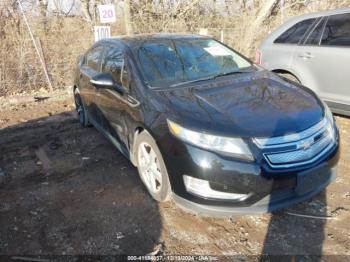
x: 71, y: 192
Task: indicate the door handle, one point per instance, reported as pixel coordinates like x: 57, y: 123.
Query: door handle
x: 132, y: 101
x: 306, y: 55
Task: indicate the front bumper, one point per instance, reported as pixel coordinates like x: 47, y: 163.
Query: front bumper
x: 268, y: 188
x: 269, y: 203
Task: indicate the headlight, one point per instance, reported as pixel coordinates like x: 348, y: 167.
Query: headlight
x: 328, y: 114
x: 330, y: 120
x: 227, y: 145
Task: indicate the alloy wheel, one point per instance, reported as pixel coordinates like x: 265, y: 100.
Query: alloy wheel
x: 149, y: 167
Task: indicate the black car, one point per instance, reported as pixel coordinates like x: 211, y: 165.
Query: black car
x: 204, y: 125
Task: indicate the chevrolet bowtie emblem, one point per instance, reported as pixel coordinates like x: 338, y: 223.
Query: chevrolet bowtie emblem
x: 306, y: 144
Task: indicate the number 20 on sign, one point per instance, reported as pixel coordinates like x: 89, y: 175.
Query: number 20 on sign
x: 107, y: 13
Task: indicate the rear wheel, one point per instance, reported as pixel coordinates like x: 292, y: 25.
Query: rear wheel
x: 151, y: 167
x: 79, y: 107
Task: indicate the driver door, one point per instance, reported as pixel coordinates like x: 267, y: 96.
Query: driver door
x: 112, y: 104
x: 90, y: 68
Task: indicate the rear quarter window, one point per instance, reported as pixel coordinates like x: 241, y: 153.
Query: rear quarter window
x: 295, y: 34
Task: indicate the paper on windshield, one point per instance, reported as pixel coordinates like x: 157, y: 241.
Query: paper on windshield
x: 217, y: 51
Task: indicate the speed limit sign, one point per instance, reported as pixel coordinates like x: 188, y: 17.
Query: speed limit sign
x: 107, y: 13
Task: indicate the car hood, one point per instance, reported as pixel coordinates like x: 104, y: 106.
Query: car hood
x: 257, y: 104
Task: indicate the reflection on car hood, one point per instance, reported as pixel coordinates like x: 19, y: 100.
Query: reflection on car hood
x: 258, y: 104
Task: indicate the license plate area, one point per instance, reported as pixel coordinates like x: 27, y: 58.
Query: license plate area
x: 310, y: 180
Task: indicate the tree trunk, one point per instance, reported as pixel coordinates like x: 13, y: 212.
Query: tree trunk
x: 127, y: 18
x: 85, y: 8
x: 264, y: 12
x: 43, y: 4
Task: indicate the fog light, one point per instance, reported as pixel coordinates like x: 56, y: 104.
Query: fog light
x: 200, y: 187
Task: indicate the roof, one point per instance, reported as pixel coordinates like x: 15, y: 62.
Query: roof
x: 324, y: 13
x: 293, y: 20
x: 142, y: 37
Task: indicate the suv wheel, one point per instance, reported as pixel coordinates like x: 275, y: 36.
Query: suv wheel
x: 151, y: 167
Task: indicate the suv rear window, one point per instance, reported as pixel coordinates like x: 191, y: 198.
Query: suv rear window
x: 337, y: 31
x: 294, y: 34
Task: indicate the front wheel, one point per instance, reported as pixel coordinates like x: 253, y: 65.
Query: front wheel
x: 151, y: 167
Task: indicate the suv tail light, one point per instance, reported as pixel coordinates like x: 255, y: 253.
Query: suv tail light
x: 258, y: 57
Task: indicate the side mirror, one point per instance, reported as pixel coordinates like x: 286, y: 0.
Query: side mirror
x: 105, y: 80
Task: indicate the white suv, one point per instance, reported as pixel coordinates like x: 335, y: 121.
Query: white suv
x: 313, y: 49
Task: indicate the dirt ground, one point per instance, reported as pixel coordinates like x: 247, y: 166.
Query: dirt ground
x: 71, y: 192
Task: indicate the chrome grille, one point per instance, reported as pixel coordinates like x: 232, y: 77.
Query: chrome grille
x: 299, y: 155
x: 298, y: 149
x: 278, y: 140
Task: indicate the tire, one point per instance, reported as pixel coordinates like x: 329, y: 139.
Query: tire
x: 81, y: 111
x: 290, y: 77
x: 152, y: 171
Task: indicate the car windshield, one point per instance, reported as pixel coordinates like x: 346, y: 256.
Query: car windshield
x: 167, y: 63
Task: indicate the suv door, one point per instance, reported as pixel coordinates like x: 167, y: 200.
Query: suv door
x: 324, y: 59
x: 113, y: 104
x: 90, y: 68
x: 284, y: 46
x: 304, y: 61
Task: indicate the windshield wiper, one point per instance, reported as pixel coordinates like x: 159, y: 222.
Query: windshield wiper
x: 193, y: 81
x: 212, y: 77
x: 232, y: 73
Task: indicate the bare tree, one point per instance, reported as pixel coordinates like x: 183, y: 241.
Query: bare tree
x: 64, y: 7
x: 43, y: 5
x: 85, y: 8
x: 262, y: 14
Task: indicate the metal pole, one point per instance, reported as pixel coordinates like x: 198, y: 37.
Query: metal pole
x: 282, y: 11
x: 35, y: 46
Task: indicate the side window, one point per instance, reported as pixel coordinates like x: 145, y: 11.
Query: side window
x: 294, y: 34
x: 93, y: 58
x: 315, y: 36
x: 115, y: 64
x: 337, y: 31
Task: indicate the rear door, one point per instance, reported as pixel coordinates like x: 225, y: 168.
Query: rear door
x: 279, y: 55
x: 304, y: 59
x: 324, y: 59
x: 90, y: 68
